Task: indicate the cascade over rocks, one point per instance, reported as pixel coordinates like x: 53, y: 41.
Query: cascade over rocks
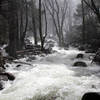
x: 91, y: 96
x: 80, y: 64
x: 7, y: 76
x: 4, y: 76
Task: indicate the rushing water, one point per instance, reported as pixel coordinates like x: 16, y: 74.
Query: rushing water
x: 52, y: 78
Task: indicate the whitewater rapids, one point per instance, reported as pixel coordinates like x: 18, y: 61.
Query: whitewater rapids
x: 52, y: 78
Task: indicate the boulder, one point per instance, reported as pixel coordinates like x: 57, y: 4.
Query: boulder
x: 91, y: 96
x: 80, y: 64
x: 80, y: 55
x: 8, y: 75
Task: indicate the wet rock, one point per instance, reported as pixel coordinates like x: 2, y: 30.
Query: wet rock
x: 97, y: 60
x: 30, y: 59
x: 81, y: 48
x: 91, y: 96
x: 1, y: 86
x: 93, y: 86
x: 80, y: 55
x: 2, y: 69
x: 47, y: 51
x: 18, y: 66
x: 10, y: 76
x: 29, y: 46
x: 3, y: 78
x: 80, y: 64
x: 2, y: 61
x: 97, y: 57
x: 6, y: 66
x: 90, y: 51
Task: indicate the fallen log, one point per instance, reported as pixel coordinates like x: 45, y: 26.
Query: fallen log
x: 12, y: 59
x: 22, y: 51
x: 28, y: 50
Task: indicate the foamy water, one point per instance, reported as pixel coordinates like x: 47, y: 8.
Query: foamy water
x: 52, y: 78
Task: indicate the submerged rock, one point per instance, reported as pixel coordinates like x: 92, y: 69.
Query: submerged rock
x: 91, y: 96
x: 80, y: 55
x: 80, y: 63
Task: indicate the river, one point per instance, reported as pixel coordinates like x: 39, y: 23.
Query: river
x: 52, y: 78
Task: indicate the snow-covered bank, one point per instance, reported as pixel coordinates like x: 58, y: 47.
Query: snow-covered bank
x: 52, y: 78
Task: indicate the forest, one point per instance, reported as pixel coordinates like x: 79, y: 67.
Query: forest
x: 50, y: 49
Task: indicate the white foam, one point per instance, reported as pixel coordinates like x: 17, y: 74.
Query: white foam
x: 52, y: 78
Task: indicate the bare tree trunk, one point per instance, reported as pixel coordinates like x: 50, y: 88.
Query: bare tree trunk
x: 23, y: 28
x: 17, y: 37
x: 40, y: 25
x: 83, y: 22
x: 26, y: 24
x: 46, y: 24
x: 34, y: 22
x: 13, y: 27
